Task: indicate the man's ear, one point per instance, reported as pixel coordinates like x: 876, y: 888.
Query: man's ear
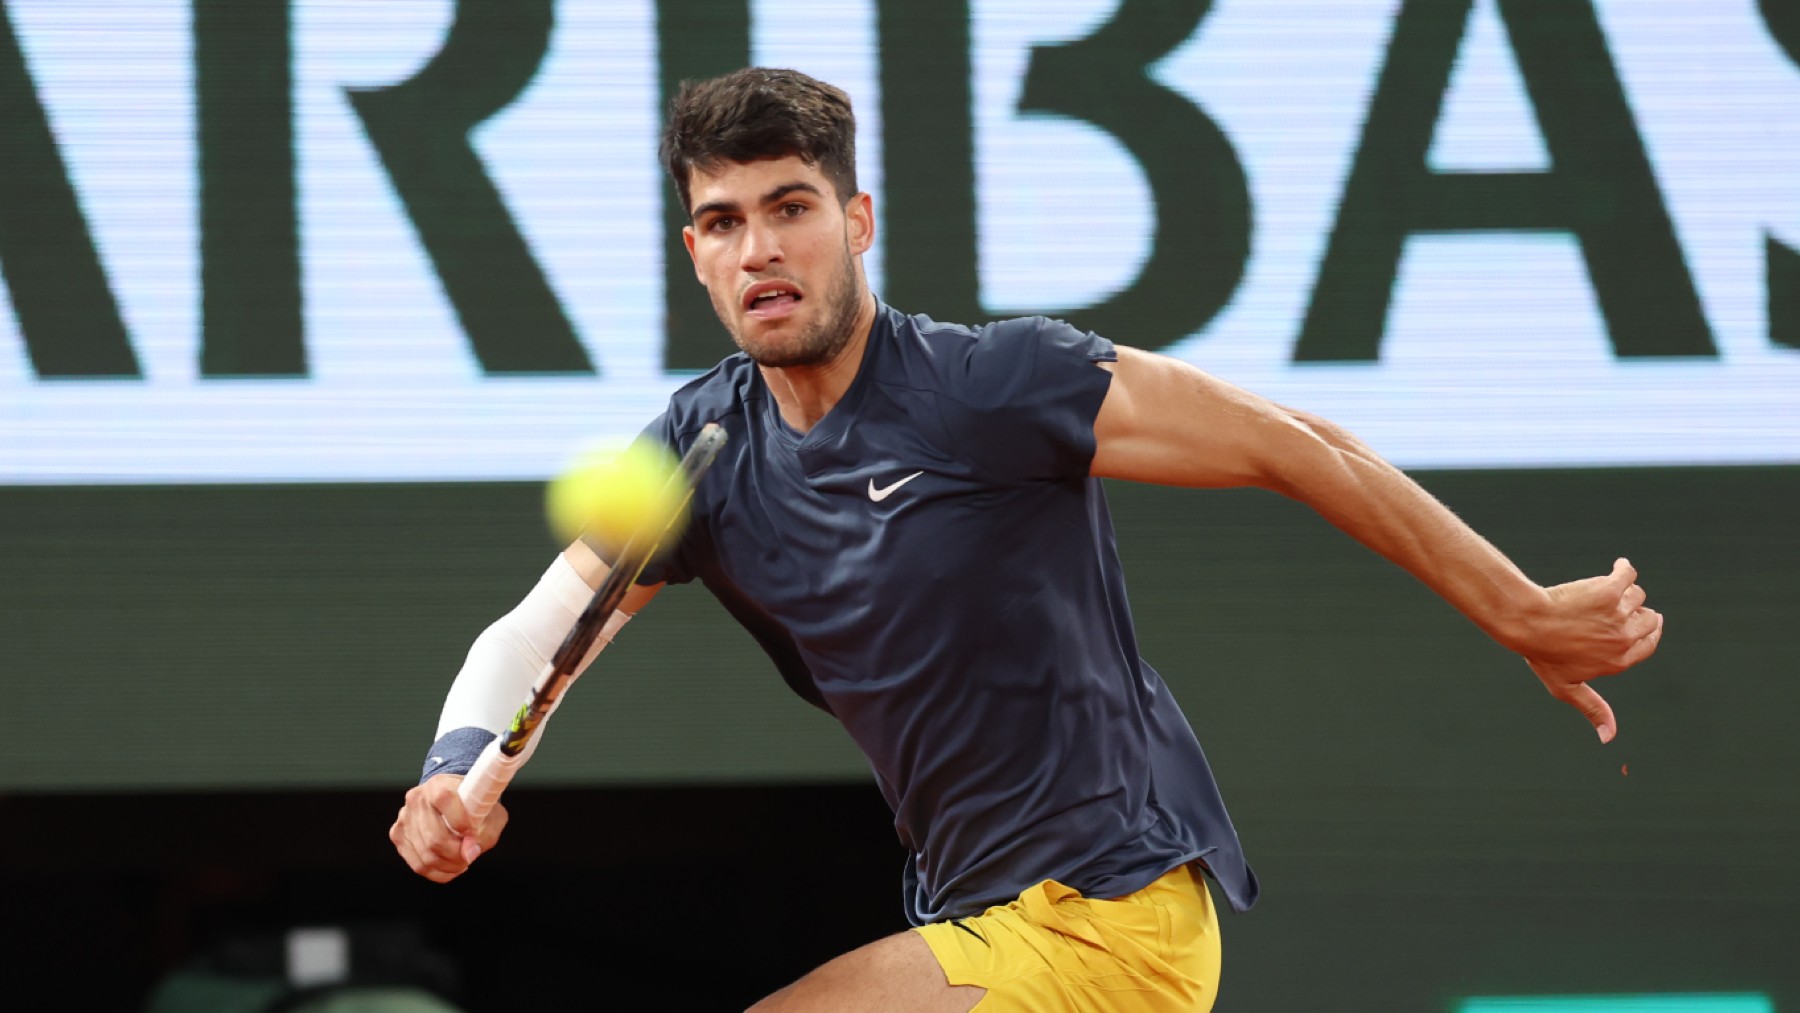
x: 859, y: 223
x: 687, y: 240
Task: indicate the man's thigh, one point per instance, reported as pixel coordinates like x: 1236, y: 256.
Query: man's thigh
x: 895, y: 973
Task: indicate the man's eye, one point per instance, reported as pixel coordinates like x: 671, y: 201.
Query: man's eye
x: 793, y: 210
x: 721, y: 225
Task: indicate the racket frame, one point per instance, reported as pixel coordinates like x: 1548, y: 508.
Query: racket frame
x: 502, y: 757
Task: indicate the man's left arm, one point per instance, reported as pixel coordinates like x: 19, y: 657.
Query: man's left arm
x: 1167, y: 422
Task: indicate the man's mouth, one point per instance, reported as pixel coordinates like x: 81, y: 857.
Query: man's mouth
x: 770, y: 299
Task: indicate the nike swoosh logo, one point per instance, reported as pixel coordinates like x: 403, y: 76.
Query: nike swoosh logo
x: 877, y: 495
x: 962, y: 923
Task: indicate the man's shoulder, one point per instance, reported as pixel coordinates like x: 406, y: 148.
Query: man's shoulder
x: 713, y: 395
x: 976, y: 364
x: 933, y: 333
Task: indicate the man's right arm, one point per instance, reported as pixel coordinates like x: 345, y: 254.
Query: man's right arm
x: 433, y: 832
x: 593, y: 570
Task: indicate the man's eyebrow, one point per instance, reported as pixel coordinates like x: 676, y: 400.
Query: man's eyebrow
x: 730, y: 206
x: 786, y: 188
x: 715, y: 206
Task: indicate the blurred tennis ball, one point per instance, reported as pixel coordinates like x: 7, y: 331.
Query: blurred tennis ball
x: 609, y: 495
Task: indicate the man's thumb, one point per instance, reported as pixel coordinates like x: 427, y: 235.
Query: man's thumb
x: 1594, y: 707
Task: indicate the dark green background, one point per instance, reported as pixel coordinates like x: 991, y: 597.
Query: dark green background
x: 218, y: 637
x: 1426, y: 821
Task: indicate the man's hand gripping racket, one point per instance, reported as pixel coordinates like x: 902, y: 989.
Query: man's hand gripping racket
x: 495, y: 767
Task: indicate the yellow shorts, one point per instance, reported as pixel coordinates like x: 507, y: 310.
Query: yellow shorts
x: 1053, y: 949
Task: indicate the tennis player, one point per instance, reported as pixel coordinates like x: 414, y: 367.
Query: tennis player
x: 908, y: 518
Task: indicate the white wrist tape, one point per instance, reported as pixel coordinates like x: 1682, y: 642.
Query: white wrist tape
x: 505, y: 661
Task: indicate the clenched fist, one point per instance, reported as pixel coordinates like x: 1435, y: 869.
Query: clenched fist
x: 433, y: 831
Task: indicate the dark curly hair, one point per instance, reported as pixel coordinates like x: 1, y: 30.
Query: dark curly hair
x: 758, y: 113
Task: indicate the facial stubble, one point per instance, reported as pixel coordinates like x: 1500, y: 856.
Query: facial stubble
x: 820, y: 342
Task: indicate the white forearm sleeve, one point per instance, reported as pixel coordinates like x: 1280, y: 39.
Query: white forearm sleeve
x: 507, y: 658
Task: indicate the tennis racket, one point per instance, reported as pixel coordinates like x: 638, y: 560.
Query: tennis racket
x: 495, y: 767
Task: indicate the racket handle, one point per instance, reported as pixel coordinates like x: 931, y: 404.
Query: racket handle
x: 490, y: 775
x: 494, y: 770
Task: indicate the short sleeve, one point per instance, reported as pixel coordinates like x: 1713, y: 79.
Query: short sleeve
x: 1025, y: 397
x: 676, y: 564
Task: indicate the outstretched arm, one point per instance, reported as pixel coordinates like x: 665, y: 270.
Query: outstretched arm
x: 433, y: 832
x: 1166, y: 422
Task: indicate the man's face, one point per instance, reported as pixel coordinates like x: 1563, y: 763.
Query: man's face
x: 776, y: 252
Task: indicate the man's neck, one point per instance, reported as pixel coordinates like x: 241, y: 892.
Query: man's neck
x: 805, y: 394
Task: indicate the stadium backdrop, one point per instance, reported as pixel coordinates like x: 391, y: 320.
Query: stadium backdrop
x: 304, y: 300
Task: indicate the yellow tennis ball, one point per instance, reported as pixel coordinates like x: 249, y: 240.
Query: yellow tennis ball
x: 611, y: 495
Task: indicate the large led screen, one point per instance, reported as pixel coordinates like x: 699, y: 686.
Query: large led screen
x: 431, y: 240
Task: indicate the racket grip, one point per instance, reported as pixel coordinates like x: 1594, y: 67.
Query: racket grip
x: 490, y: 775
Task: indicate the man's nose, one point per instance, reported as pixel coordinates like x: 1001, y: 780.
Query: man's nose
x: 761, y: 247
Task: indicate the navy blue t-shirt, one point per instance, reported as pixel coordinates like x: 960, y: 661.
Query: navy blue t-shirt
x: 932, y: 565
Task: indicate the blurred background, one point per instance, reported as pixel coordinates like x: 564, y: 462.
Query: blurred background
x: 304, y: 300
